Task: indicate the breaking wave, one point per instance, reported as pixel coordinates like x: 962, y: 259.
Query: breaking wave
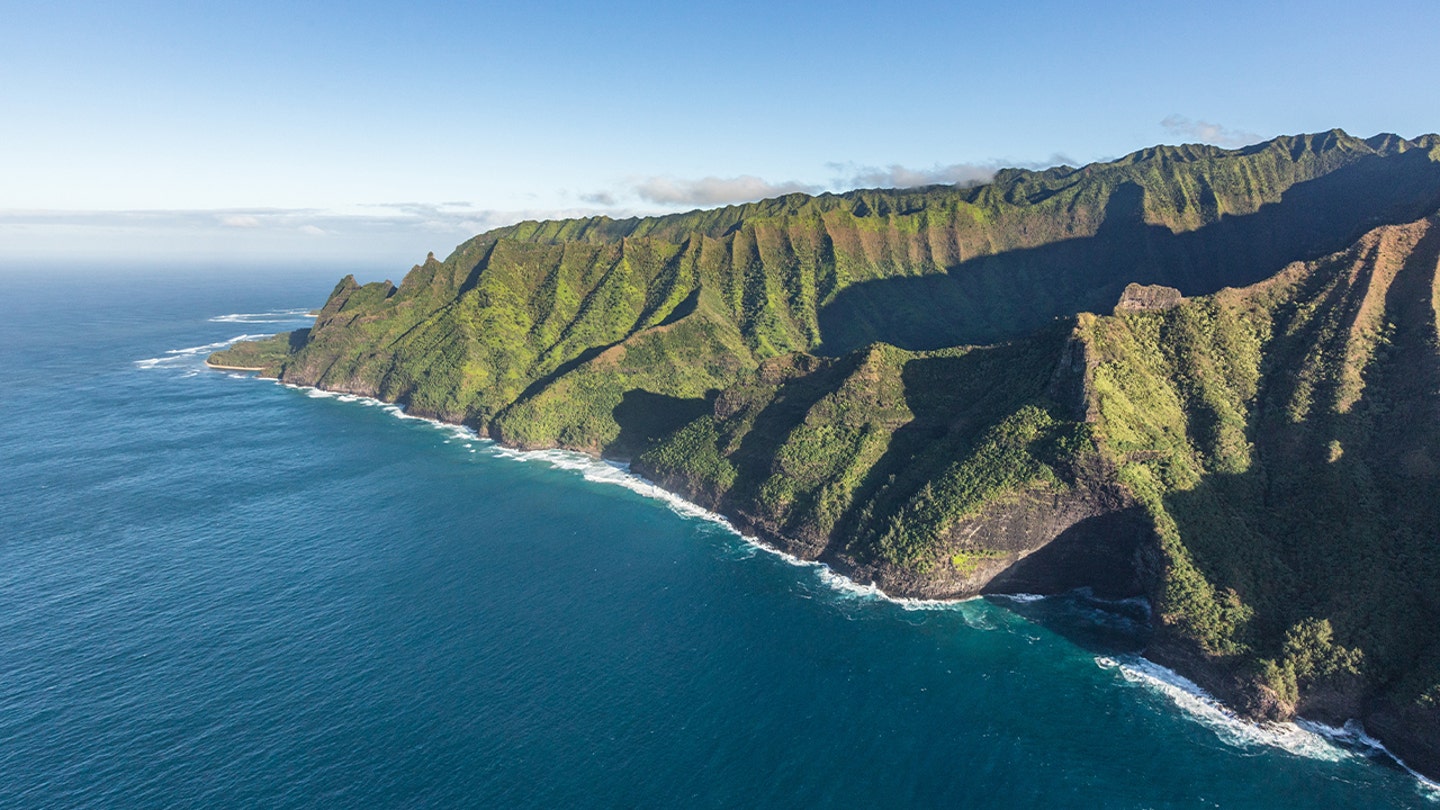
x: 1305, y: 738
x: 1352, y: 736
x: 276, y: 316
x: 180, y: 357
x: 619, y: 474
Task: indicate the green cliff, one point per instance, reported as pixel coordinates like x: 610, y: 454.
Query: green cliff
x: 553, y: 334
x: 913, y: 386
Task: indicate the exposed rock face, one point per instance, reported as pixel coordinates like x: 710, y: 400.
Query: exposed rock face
x: 1148, y: 298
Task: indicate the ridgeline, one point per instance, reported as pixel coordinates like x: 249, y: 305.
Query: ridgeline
x: 915, y: 386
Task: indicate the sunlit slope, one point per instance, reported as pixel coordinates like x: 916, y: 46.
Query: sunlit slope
x: 915, y: 387
x: 599, y: 334
x: 1284, y: 439
x: 1262, y: 463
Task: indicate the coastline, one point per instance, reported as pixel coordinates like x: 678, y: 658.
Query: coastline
x: 1167, y: 671
x: 219, y: 367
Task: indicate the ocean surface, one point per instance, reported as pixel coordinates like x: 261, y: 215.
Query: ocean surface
x: 217, y: 591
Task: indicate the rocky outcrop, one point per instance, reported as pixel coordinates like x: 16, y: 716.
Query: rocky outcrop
x: 1148, y: 298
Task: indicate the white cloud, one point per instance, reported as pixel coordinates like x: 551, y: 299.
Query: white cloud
x: 898, y: 176
x: 408, y: 229
x: 240, y: 221
x: 1205, y: 132
x: 849, y: 175
x: 394, y: 232
x: 715, y: 190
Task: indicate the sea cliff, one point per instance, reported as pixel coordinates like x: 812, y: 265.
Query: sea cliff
x: 914, y: 387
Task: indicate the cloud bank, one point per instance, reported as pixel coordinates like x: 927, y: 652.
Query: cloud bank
x: 715, y: 190
x: 849, y: 175
x: 1205, y: 132
x: 394, y: 233
x: 898, y: 176
x: 400, y: 231
x: 669, y: 191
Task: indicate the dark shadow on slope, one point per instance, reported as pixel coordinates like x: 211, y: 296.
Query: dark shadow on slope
x: 683, y: 308
x: 1348, y: 541
x: 644, y: 417
x: 792, y: 402
x: 1099, y: 553
x: 992, y: 298
x: 298, y: 339
x: 564, y: 368
x: 1337, y: 516
x: 954, y: 400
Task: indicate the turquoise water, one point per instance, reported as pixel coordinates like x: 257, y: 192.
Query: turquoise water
x: 218, y: 591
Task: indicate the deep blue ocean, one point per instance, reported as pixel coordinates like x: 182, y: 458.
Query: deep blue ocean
x: 216, y: 591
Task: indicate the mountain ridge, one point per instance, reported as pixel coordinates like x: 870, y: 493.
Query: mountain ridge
x: 914, y: 387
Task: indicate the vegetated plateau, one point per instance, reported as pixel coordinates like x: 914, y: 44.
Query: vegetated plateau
x: 1207, y: 377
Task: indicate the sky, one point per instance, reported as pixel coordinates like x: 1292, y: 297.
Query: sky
x: 376, y: 132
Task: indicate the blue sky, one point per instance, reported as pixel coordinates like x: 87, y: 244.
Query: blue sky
x: 376, y: 131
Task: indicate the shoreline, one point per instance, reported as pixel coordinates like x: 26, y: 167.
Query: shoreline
x: 219, y: 367
x: 840, y: 580
x: 635, y: 482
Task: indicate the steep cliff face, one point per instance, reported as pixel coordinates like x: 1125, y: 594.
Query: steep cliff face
x: 1254, y: 446
x: 1284, y: 439
x: 550, y: 333
x: 929, y: 472
x: 1263, y: 464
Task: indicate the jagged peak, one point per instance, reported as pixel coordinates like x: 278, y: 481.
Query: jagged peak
x: 346, y: 283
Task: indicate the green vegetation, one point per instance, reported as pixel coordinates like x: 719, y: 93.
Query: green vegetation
x: 539, y: 331
x: 1005, y: 460
x: 968, y: 561
x: 883, y: 454
x: 910, y: 384
x: 266, y: 356
x: 1310, y: 655
x: 1283, y: 440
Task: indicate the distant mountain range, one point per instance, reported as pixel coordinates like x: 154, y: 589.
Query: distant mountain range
x: 1207, y: 377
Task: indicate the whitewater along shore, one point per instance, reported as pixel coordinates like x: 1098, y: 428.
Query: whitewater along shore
x: 220, y: 367
x: 1109, y: 554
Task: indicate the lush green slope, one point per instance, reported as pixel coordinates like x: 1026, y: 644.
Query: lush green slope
x: 922, y: 470
x: 1285, y: 441
x: 1262, y: 462
x: 522, y: 331
x: 259, y: 355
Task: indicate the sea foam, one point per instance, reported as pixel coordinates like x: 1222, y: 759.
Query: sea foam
x: 275, y: 316
x: 180, y: 357
x: 1022, y: 598
x: 1352, y: 735
x: 1303, y: 738
x: 619, y: 474
x: 1231, y: 728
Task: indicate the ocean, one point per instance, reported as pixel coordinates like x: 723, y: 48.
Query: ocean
x: 217, y: 591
